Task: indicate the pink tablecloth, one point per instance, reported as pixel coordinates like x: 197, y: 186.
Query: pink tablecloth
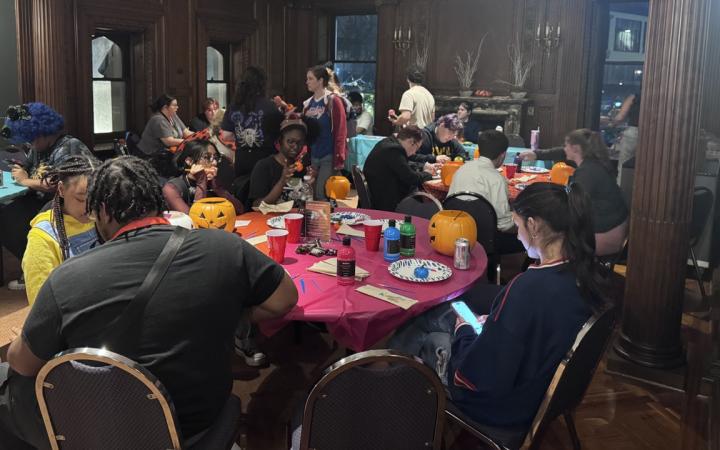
x: 358, y: 321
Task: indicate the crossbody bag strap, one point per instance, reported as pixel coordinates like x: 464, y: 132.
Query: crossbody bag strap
x: 132, y: 315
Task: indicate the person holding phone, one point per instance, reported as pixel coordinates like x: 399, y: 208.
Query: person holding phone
x: 499, y: 376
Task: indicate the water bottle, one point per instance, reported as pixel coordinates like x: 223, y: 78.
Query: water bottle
x: 535, y: 139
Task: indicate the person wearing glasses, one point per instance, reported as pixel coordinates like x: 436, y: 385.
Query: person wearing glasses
x: 198, y: 163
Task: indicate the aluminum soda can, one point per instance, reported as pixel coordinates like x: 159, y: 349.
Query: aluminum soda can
x: 461, y: 261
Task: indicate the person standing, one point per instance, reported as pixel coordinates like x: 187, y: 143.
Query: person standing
x: 417, y: 105
x: 329, y: 150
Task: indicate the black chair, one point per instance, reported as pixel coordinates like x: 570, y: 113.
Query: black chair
x: 703, y: 200
x: 362, y: 189
x: 92, y: 398
x: 610, y: 261
x: 378, y: 399
x: 419, y: 204
x: 564, y: 394
x: 486, y: 221
x: 131, y: 141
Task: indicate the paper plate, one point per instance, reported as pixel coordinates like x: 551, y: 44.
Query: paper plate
x: 405, y: 270
x: 277, y: 222
x: 534, y: 169
x: 349, y: 217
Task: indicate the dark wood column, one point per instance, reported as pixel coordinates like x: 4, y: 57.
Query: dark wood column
x: 26, y: 70
x: 664, y: 177
x: 49, y: 23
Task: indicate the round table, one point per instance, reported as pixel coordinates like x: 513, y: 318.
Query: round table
x: 355, y: 320
x: 437, y: 189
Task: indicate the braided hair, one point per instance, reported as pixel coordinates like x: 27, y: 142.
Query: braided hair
x: 127, y: 188
x: 70, y: 168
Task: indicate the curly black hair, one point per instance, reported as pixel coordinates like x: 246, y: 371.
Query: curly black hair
x: 127, y: 188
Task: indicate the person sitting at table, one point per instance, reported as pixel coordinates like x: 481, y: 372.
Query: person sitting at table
x: 204, y: 119
x: 42, y: 127
x: 163, y: 133
x: 471, y: 127
x: 63, y: 231
x: 364, y: 120
x: 481, y: 177
x: 596, y: 174
x: 389, y: 176
x: 439, y: 141
x: 183, y: 335
x: 272, y: 176
x: 198, y: 161
x: 500, y: 376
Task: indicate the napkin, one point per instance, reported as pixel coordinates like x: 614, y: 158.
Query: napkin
x: 242, y: 223
x: 279, y: 208
x: 257, y: 240
x: 387, y: 296
x: 350, y: 231
x: 524, y: 178
x: 329, y: 267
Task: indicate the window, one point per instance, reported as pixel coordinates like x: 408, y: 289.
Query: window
x: 356, y: 55
x: 110, y: 82
x: 627, y: 35
x: 217, y: 75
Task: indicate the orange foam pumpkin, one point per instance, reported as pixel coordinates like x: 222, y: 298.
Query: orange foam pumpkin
x: 447, y: 172
x: 561, y: 173
x: 213, y: 212
x: 449, y: 225
x: 337, y: 187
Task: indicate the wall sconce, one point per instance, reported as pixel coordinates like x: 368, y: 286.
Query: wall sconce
x: 401, y: 40
x: 551, y: 39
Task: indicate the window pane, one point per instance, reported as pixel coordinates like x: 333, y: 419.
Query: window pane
x: 107, y: 58
x: 358, y: 77
x: 356, y: 38
x: 627, y: 35
x: 109, y: 106
x: 215, y: 65
x: 218, y: 91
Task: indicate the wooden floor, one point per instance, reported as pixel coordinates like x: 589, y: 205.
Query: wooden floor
x: 616, y: 414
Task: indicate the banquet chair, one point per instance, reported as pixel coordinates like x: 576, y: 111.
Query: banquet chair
x: 564, y: 394
x: 94, y: 398
x: 703, y: 200
x: 361, y: 187
x: 486, y: 221
x: 419, y: 204
x: 377, y: 399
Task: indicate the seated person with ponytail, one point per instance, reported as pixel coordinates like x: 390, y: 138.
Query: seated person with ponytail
x: 198, y: 159
x: 271, y: 175
x: 499, y: 376
x: 63, y: 231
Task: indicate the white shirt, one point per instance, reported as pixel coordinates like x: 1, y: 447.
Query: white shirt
x: 481, y: 177
x: 365, y: 121
x: 421, y: 104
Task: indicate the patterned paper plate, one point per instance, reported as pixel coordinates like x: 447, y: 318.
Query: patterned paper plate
x: 349, y: 217
x: 405, y: 270
x: 277, y: 222
x: 535, y: 169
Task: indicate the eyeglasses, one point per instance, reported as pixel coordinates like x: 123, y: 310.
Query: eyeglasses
x: 210, y: 158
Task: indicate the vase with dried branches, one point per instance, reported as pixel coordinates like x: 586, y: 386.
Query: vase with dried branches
x: 422, y: 51
x: 466, y: 67
x: 520, y: 67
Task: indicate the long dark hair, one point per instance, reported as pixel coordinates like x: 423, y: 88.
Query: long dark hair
x: 161, y: 101
x: 194, y: 150
x: 74, y: 166
x: 568, y: 214
x: 592, y: 146
x: 249, y: 89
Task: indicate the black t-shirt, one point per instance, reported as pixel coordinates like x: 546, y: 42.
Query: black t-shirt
x: 431, y: 148
x: 251, y: 134
x: 266, y: 173
x: 608, y: 206
x: 186, y: 338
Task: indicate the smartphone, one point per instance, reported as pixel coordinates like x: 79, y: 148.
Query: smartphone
x: 464, y: 312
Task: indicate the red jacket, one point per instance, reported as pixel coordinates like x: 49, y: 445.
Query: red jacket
x: 338, y: 121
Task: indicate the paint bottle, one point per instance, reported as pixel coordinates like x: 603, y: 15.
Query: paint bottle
x: 391, y: 236
x: 346, y: 263
x: 407, y: 237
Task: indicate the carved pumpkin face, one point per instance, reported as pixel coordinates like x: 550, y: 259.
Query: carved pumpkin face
x: 213, y: 212
x: 449, y: 225
x: 337, y: 187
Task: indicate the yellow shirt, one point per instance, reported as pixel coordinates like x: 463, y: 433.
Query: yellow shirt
x: 43, y: 253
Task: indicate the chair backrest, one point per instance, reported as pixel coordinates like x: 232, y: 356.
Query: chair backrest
x: 482, y: 211
x: 91, y: 398
x: 361, y: 187
x: 419, y: 204
x: 132, y: 139
x: 378, y: 399
x: 575, y: 372
x: 703, y: 199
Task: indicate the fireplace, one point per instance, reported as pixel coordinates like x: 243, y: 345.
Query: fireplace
x: 489, y: 111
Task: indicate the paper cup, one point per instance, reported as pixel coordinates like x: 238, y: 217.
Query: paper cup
x: 293, y: 225
x: 276, y: 241
x: 373, y: 229
x: 510, y: 170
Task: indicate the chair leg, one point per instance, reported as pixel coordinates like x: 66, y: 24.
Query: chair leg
x: 697, y: 274
x: 570, y: 422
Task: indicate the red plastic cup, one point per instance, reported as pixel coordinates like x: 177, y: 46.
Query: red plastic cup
x: 293, y: 225
x: 373, y: 228
x: 510, y: 170
x: 276, y: 240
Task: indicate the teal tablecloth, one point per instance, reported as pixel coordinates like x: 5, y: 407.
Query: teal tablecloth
x: 359, y: 147
x: 9, y: 190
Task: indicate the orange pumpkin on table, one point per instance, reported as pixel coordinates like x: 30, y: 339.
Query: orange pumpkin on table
x: 561, y: 173
x: 337, y: 187
x: 449, y: 225
x: 447, y: 172
x: 213, y: 212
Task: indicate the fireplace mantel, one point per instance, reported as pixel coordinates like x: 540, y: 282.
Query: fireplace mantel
x: 511, y: 109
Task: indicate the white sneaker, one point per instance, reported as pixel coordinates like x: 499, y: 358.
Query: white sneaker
x: 17, y: 285
x: 248, y: 350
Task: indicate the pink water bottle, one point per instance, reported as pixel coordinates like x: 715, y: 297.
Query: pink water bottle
x: 346, y: 263
x: 535, y: 139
